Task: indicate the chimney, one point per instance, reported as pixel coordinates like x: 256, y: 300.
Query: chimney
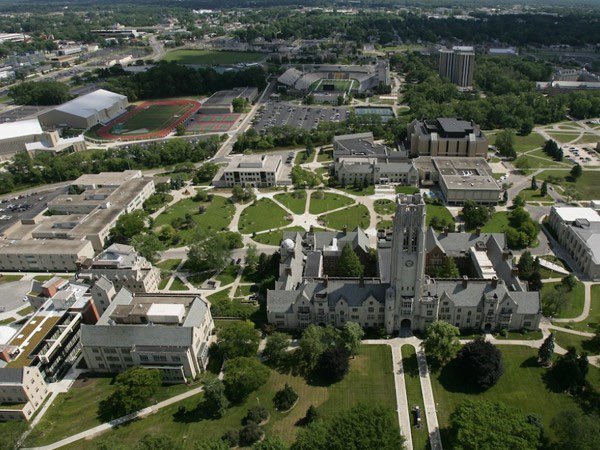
x: 465, y: 280
x: 345, y: 229
x: 361, y: 282
x: 506, y: 255
x: 445, y: 232
x: 494, y: 282
x: 478, y: 231
x: 311, y: 229
x: 288, y: 271
x: 326, y: 280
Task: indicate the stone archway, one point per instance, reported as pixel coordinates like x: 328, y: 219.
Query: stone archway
x: 405, y: 325
x: 488, y: 328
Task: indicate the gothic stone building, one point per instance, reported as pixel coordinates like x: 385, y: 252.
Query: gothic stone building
x: 400, y: 296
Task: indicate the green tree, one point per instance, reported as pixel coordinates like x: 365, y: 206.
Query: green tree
x: 546, y: 350
x: 251, y: 257
x: 180, y: 130
x: 554, y: 301
x: 238, y: 339
x: 544, y: 189
x: 209, y: 250
x: 133, y: 390
x: 352, y: 335
x: 525, y: 265
x: 242, y: 376
x: 575, y: 430
x: 480, y: 363
x: 148, y: 245
x: 276, y: 348
x: 333, y: 364
x: 505, y: 143
x: 570, y: 370
x: 238, y: 105
x: 270, y: 443
x: 206, y: 172
x: 475, y: 215
x: 250, y: 434
x: 518, y: 202
x: 478, y: 425
x: 534, y: 185
x: 441, y: 341
x: 313, y: 343
x: 576, y: 172
x: 349, y: 264
x: 128, y: 226
x: 211, y: 444
x: 361, y: 427
x: 569, y: 282
x: 447, y: 269
x: 311, y: 415
x: 39, y: 93
x: 285, y: 398
x: 215, y: 401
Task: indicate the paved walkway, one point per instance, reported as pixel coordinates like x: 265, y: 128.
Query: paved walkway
x: 121, y: 420
x: 586, y: 304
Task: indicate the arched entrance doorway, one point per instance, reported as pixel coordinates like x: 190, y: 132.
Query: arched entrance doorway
x: 487, y: 328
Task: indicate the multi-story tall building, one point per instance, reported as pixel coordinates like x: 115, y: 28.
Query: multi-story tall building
x: 255, y: 171
x: 458, y: 65
x: 446, y: 136
x: 168, y: 332
x: 401, y: 296
x: 22, y: 391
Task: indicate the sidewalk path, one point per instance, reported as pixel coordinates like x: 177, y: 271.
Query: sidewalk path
x: 433, y: 427
x: 121, y: 420
x: 586, y: 305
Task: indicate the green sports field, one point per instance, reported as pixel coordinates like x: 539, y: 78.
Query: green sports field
x: 339, y: 85
x: 150, y: 118
x: 212, y: 57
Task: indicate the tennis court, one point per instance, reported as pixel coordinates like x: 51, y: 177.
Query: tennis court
x: 212, y: 123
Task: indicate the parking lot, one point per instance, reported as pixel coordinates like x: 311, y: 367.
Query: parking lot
x: 583, y: 155
x: 11, y: 114
x: 307, y: 117
x: 18, y: 207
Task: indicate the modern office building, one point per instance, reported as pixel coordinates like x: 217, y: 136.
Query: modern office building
x: 40, y: 255
x: 358, y: 157
x: 460, y: 179
x: 401, y: 297
x: 255, y: 171
x: 446, y: 137
x: 85, y: 111
x: 168, y: 332
x: 578, y: 230
x: 457, y: 65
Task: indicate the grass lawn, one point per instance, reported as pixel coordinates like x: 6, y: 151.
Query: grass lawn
x: 11, y: 278
x: 563, y: 138
x: 23, y: 312
x: 384, y: 224
x: 228, y: 274
x: 588, y: 185
x: 168, y: 264
x: 420, y: 436
x: 581, y: 343
x: 163, y: 281
x: 533, y: 195
x: 384, y: 206
x: 498, y: 223
x: 295, y: 202
x: 370, y: 380
x: 328, y: 202
x: 575, y: 298
x: 212, y: 57
x: 77, y: 410
x: 439, y: 211
x: 370, y: 190
x: 274, y: 237
x: 522, y: 143
x: 406, y: 189
x: 521, y: 386
x: 243, y: 290
x: 217, y: 216
x: 7, y: 321
x: 151, y: 118
x: 199, y: 278
x: 352, y: 217
x: 325, y: 156
x: 178, y: 285
x: 263, y: 214
x: 592, y: 322
x: 522, y: 336
x: 588, y: 139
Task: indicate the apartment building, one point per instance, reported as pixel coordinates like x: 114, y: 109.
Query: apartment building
x: 446, y: 137
x: 255, y: 171
x: 40, y: 255
x: 358, y: 157
x: 168, y: 332
x: 457, y: 65
x: 123, y: 267
x: 22, y: 391
x: 578, y: 230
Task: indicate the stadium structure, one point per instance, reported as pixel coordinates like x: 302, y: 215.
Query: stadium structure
x: 326, y: 82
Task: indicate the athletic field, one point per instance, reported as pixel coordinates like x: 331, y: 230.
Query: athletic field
x: 334, y: 85
x: 149, y: 120
x: 212, y: 57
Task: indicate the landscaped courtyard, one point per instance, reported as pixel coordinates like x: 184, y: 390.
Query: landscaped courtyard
x: 264, y: 214
x: 349, y: 218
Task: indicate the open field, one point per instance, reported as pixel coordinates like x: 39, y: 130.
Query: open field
x: 370, y: 380
x: 263, y: 214
x: 592, y: 322
x: 522, y: 143
x: 212, y: 57
x: 329, y: 202
x: 498, y: 223
x: 533, y: 195
x: 217, y: 216
x: 439, y: 211
x: 351, y: 217
x: 581, y: 343
x: 588, y: 185
x: 521, y: 386
x: 294, y: 201
x: 575, y: 299
x: 340, y: 85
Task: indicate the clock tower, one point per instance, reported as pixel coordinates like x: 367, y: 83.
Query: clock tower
x: 408, y: 261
